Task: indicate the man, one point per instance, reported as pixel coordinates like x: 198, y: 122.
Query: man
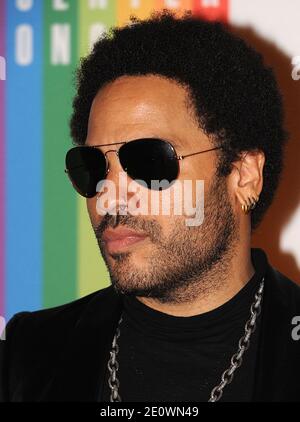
x: 192, y: 313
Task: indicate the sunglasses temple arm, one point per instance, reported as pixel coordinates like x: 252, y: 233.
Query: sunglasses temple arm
x: 181, y: 157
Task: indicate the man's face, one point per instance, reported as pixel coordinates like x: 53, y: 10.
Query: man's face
x: 169, y: 263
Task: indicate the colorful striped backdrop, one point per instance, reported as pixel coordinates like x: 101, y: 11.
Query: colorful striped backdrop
x: 48, y: 253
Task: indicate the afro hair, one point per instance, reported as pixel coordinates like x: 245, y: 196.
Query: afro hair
x: 234, y: 94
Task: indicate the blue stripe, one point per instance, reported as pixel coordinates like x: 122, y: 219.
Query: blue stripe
x: 23, y: 207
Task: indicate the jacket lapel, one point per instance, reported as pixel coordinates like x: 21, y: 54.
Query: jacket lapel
x: 80, y: 374
x: 275, y: 373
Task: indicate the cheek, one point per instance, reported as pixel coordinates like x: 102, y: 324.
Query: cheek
x: 196, y: 172
x: 187, y: 197
x: 91, y: 207
x: 166, y: 224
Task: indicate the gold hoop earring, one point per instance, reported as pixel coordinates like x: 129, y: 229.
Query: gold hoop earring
x: 250, y: 203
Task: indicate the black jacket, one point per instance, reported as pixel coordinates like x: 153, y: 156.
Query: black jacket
x: 60, y: 354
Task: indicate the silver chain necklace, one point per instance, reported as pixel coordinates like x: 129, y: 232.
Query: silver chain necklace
x: 228, y: 374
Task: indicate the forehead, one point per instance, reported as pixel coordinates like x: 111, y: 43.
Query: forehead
x: 134, y: 106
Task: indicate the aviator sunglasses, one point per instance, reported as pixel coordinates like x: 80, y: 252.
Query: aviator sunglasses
x: 146, y: 159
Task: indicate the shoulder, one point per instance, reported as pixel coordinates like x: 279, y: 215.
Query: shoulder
x: 287, y: 289
x: 62, y: 316
x: 34, y: 340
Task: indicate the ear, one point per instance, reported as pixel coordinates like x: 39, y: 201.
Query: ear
x: 246, y: 178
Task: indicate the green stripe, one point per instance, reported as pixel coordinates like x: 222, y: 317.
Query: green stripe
x: 60, y: 212
x: 92, y: 272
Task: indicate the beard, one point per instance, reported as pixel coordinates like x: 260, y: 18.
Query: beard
x: 190, y: 262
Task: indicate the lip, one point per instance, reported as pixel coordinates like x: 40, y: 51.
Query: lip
x: 121, y: 238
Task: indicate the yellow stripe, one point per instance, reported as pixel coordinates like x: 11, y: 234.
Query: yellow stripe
x: 140, y: 8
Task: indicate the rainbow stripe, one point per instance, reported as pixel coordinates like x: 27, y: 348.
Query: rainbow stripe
x: 48, y: 252
x: 23, y: 154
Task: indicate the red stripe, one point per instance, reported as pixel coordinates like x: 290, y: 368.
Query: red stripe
x: 211, y: 9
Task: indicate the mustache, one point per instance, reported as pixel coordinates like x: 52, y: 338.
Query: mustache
x: 150, y: 228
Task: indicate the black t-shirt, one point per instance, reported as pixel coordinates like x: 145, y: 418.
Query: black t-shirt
x: 180, y: 359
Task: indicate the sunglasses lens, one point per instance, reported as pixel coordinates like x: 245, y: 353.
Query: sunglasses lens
x: 86, y: 167
x: 150, y: 160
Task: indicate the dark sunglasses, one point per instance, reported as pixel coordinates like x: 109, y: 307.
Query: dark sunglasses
x: 146, y: 159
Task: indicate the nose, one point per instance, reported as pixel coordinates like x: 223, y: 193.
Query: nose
x: 113, y: 164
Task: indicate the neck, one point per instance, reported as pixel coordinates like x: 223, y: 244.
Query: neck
x: 215, y: 288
